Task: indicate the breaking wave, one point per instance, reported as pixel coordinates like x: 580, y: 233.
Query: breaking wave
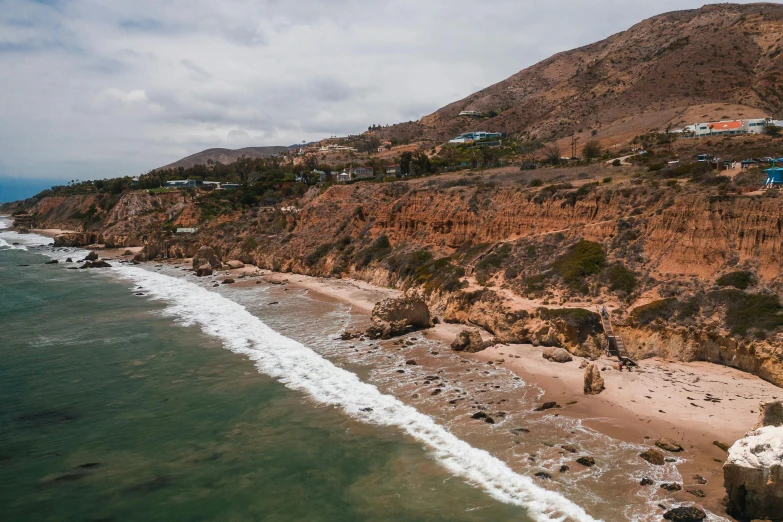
x: 300, y: 368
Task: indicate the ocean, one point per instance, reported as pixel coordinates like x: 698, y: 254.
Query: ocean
x: 144, y: 393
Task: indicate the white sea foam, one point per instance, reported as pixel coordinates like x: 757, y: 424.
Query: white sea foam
x: 302, y: 369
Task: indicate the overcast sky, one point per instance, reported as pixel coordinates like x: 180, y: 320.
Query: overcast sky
x: 100, y: 88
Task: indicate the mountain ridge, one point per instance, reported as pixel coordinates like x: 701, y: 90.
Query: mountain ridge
x: 655, y: 71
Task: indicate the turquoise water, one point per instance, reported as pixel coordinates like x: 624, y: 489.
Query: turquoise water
x: 109, y: 410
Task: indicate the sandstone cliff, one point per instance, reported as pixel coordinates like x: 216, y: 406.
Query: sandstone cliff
x: 494, y: 252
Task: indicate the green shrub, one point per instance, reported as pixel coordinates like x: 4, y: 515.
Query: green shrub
x: 620, y: 279
x: 342, y: 243
x: 317, y: 254
x: 535, y: 183
x: 742, y: 279
x: 440, y: 274
x: 744, y: 312
x: 617, y: 163
x: 585, y: 321
x: 663, y: 309
x: 405, y: 265
x: 607, y: 180
x: 536, y: 283
x: 491, y: 263
x: 249, y: 245
x: 582, y: 259
x: 377, y: 251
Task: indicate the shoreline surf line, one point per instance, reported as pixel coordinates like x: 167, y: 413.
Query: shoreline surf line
x: 301, y: 369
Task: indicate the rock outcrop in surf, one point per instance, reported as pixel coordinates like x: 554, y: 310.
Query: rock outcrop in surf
x: 392, y: 317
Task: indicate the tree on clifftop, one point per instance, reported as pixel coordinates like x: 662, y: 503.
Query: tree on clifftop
x: 405, y: 163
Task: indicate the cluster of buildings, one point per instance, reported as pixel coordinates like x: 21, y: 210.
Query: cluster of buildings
x: 476, y: 136
x: 333, y: 147
x: 355, y: 173
x: 197, y: 183
x: 729, y: 127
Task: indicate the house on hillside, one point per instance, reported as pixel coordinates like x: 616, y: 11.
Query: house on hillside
x: 323, y: 177
x: 756, y: 126
x: 475, y: 136
x: 342, y: 177
x: 730, y: 127
x: 361, y: 172
x: 393, y: 170
x: 184, y: 183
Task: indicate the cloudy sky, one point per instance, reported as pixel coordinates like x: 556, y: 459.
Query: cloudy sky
x: 101, y: 88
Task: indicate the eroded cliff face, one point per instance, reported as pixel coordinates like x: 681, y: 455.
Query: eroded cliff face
x: 671, y: 233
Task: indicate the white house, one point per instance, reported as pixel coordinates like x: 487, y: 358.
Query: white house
x: 474, y: 136
x: 730, y: 127
x: 361, y: 172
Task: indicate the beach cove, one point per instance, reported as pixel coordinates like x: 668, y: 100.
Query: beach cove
x: 513, y: 386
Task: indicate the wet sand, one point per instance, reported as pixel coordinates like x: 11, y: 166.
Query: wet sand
x: 693, y: 403
x: 658, y: 399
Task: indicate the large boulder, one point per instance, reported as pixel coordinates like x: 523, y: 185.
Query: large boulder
x: 392, y: 317
x: 753, y: 473
x: 468, y: 341
x: 594, y: 383
x: 92, y: 256
x: 559, y: 355
x: 383, y: 330
x: 413, y: 310
x: 235, y: 264
x: 205, y: 256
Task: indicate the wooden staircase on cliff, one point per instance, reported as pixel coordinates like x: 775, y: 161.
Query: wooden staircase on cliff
x: 615, y: 344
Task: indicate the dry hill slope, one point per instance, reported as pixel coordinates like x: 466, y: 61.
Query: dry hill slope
x: 225, y: 156
x: 726, y: 58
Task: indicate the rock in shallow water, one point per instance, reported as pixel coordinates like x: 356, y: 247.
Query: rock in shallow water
x: 392, y: 317
x: 96, y: 264
x: 586, y: 461
x: 685, y: 514
x: 653, y: 457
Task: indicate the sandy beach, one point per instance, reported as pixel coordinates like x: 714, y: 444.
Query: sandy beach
x: 695, y: 403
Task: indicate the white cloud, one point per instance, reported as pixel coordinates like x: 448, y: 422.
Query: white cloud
x: 97, y: 88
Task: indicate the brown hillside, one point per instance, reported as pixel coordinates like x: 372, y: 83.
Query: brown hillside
x: 726, y: 58
x: 224, y: 156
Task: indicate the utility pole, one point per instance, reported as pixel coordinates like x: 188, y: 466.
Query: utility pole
x: 574, y: 139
